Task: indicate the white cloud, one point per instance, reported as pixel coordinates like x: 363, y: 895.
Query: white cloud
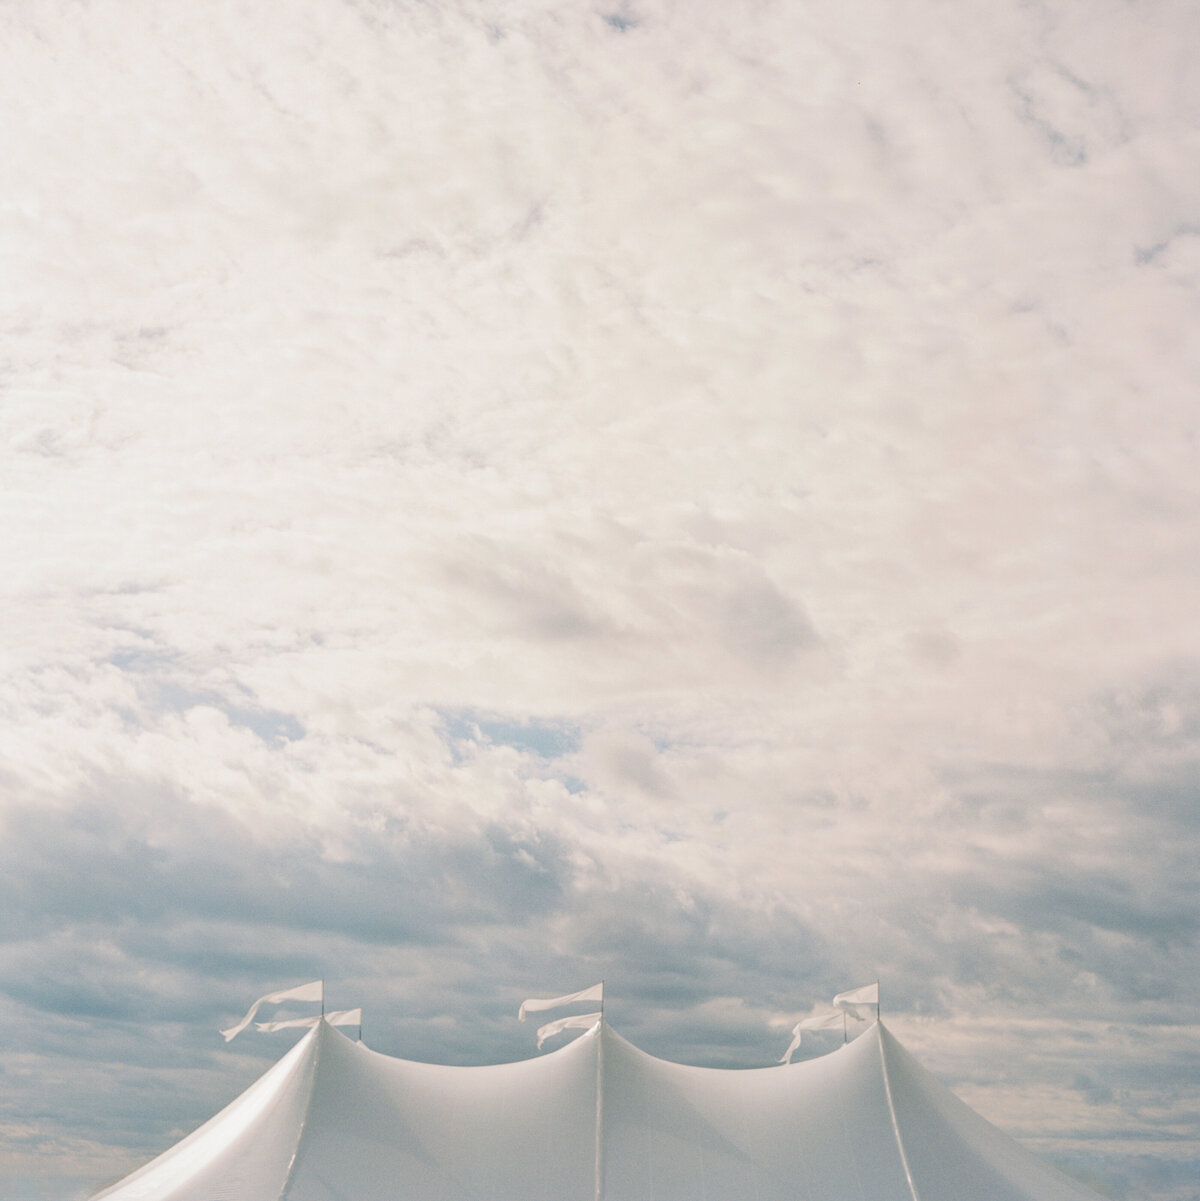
x: 500, y: 492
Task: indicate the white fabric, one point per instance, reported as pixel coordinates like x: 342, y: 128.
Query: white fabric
x: 334, y: 1121
x: 286, y: 1024
x: 867, y: 995
x: 535, y: 1004
x: 858, y: 1002
x: 302, y: 992
x: 577, y: 1021
x: 243, y: 1153
x: 818, y: 1021
x: 338, y: 1017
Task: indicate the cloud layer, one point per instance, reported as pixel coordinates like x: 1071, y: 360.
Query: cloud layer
x: 504, y: 494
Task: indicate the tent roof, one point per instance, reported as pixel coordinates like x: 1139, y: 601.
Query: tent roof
x: 334, y: 1121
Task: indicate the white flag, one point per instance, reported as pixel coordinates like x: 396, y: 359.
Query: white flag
x: 304, y: 992
x: 285, y: 1024
x: 578, y: 1021
x: 595, y: 993
x: 852, y: 998
x: 818, y: 1021
x: 339, y: 1017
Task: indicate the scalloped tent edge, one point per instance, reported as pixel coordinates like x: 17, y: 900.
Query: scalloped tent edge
x: 597, y: 1120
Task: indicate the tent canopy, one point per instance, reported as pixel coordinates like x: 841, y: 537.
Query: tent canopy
x: 597, y: 1119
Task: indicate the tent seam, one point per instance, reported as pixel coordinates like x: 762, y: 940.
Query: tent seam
x: 887, y: 1088
x: 312, y: 1088
x: 600, y: 1132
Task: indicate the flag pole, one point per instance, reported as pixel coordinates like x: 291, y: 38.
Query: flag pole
x: 878, y: 1006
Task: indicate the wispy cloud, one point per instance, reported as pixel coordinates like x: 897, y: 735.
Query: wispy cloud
x: 497, y: 495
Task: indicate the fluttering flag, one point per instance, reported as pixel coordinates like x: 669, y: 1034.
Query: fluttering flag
x: 818, y: 1021
x: 577, y: 1021
x: 303, y: 992
x: 339, y: 1017
x: 852, y: 998
x: 534, y: 1004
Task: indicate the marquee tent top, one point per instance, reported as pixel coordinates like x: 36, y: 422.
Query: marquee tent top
x: 597, y: 1120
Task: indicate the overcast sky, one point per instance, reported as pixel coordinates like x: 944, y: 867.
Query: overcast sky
x: 503, y: 494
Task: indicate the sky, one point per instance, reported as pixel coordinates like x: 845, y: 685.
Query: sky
x: 499, y: 495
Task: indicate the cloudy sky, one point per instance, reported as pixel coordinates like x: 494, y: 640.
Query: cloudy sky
x: 503, y: 493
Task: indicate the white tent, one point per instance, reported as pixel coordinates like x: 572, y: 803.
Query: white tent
x: 334, y: 1121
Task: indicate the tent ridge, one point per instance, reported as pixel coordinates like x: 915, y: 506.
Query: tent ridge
x: 887, y: 1088
x: 312, y: 1082
x: 603, y: 1121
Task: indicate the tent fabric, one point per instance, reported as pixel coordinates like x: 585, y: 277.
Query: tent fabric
x: 597, y: 1119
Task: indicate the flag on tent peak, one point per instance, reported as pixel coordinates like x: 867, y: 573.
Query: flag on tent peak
x: 536, y: 1004
x: 853, y: 998
x: 314, y: 991
x: 818, y: 1021
x: 338, y: 1017
x: 577, y: 1021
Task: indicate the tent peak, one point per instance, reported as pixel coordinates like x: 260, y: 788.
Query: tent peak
x: 595, y: 1119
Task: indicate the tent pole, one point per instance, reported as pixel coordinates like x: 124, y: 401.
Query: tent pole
x: 600, y: 1106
